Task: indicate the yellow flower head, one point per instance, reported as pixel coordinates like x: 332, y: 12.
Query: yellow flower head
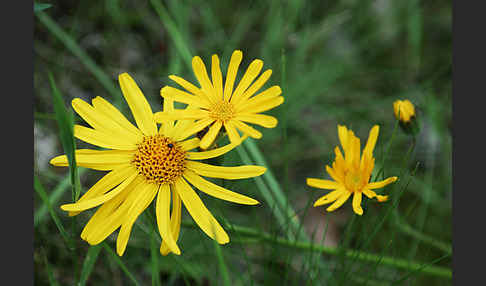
x: 147, y: 163
x: 219, y: 105
x: 351, y: 173
x: 404, y: 110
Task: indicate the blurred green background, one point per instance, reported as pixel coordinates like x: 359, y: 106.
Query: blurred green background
x: 338, y: 62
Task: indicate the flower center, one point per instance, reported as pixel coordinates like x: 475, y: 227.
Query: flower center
x: 353, y: 181
x: 159, y: 159
x: 222, y: 111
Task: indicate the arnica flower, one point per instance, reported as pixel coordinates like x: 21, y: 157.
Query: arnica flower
x: 219, y: 106
x: 351, y: 173
x: 404, y: 110
x: 147, y: 163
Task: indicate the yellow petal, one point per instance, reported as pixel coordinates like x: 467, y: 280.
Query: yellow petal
x: 146, y: 194
x: 202, y: 76
x: 141, y: 110
x: 381, y: 184
x: 266, y: 95
x: 163, y: 218
x: 179, y: 115
x: 100, y: 121
x: 339, y: 202
x: 250, y: 74
x: 329, y: 198
x: 106, y: 183
x: 189, y: 144
x: 103, y: 160
x: 369, y: 193
x: 103, y: 106
x: 213, y: 152
x: 265, y: 105
x: 357, y: 203
x: 246, y: 129
x: 253, y: 88
x: 102, y: 139
x: 233, y: 135
x: 209, y: 137
x: 235, y: 61
x: 334, y: 175
x: 184, y: 97
x: 217, y: 191
x: 190, y: 87
x: 231, y: 173
x: 322, y: 184
x: 91, y: 203
x: 370, y: 144
x: 175, y: 221
x: 201, y: 215
x: 194, y: 128
x: 260, y: 119
x: 167, y: 126
x: 217, y: 76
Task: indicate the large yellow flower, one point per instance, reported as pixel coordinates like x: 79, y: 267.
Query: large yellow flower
x: 351, y: 173
x: 219, y: 106
x: 145, y: 163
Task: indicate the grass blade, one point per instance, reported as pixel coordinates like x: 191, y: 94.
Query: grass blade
x: 120, y: 263
x: 89, y: 262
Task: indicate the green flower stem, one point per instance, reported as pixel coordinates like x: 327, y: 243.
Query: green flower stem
x: 412, y: 266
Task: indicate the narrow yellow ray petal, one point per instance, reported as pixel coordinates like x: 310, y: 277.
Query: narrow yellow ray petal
x: 334, y: 175
x: 163, y: 218
x: 103, y: 160
x: 103, y: 106
x: 231, y: 173
x: 201, y: 215
x: 217, y: 191
x: 146, y: 195
x: 264, y: 96
x: 357, y: 203
x: 263, y: 105
x: 253, y: 88
x: 370, y: 144
x: 260, y: 119
x: 110, y: 215
x: 194, y: 128
x: 141, y: 110
x: 184, y: 97
x: 233, y: 135
x: 246, y: 129
x: 102, y: 139
x: 178, y: 114
x: 214, y: 152
x: 189, y: 144
x: 381, y: 184
x: 235, y: 61
x: 175, y: 221
x: 343, y: 136
x: 91, y: 203
x: 167, y: 126
x: 209, y: 137
x: 217, y: 76
x: 106, y: 183
x: 190, y: 87
x: 322, y: 184
x: 369, y: 193
x: 330, y: 197
x: 202, y: 76
x: 250, y: 74
x: 339, y: 202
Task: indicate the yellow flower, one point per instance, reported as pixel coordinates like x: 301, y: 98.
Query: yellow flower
x: 218, y: 106
x: 144, y: 163
x: 351, y: 174
x: 404, y: 110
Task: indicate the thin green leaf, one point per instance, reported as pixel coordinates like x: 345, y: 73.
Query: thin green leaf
x: 120, y: 263
x: 41, y: 6
x: 89, y: 262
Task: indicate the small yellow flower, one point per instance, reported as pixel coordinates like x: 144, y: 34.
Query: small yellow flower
x: 404, y: 110
x: 146, y: 162
x: 351, y: 173
x: 220, y: 106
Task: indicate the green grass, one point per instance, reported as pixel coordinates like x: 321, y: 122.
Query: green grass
x: 341, y: 62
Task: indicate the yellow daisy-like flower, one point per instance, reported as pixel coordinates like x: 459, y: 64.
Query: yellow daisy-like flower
x: 145, y: 163
x: 218, y: 105
x: 404, y: 110
x: 351, y: 173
